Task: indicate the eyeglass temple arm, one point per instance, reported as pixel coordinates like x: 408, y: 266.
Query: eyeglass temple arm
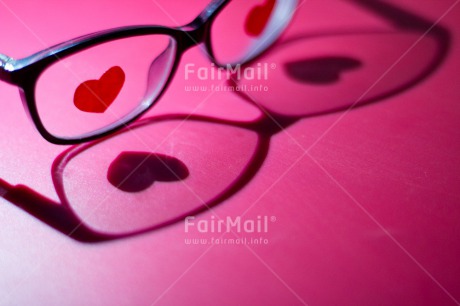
x: 5, y: 70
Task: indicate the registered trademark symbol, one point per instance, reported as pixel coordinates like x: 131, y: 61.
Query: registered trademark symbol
x: 273, y: 66
x: 273, y: 219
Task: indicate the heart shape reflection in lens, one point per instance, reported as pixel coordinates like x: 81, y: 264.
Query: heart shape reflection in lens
x: 95, y: 96
x: 258, y: 18
x: 137, y: 171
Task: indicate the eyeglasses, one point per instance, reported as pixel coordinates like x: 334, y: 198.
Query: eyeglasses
x: 165, y: 168
x: 91, y: 86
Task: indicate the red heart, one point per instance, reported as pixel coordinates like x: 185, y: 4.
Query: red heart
x: 258, y: 18
x: 95, y: 96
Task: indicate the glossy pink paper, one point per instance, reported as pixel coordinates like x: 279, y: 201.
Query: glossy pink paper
x: 355, y: 207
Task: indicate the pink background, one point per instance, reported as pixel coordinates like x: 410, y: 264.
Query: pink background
x: 369, y: 216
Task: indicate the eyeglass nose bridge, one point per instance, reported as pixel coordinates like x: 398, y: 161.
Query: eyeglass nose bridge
x: 191, y: 35
x: 196, y: 31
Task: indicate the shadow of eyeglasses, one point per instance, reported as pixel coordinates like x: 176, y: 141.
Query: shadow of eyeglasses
x: 334, y: 71
x: 130, y: 186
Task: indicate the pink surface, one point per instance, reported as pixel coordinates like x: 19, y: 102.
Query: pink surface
x: 361, y: 205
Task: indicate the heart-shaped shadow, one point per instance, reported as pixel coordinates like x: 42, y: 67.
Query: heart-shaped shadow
x: 137, y: 171
x: 258, y: 18
x: 321, y: 70
x: 95, y: 96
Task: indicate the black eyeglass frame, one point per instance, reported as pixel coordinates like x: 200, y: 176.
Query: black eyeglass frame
x: 25, y: 72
